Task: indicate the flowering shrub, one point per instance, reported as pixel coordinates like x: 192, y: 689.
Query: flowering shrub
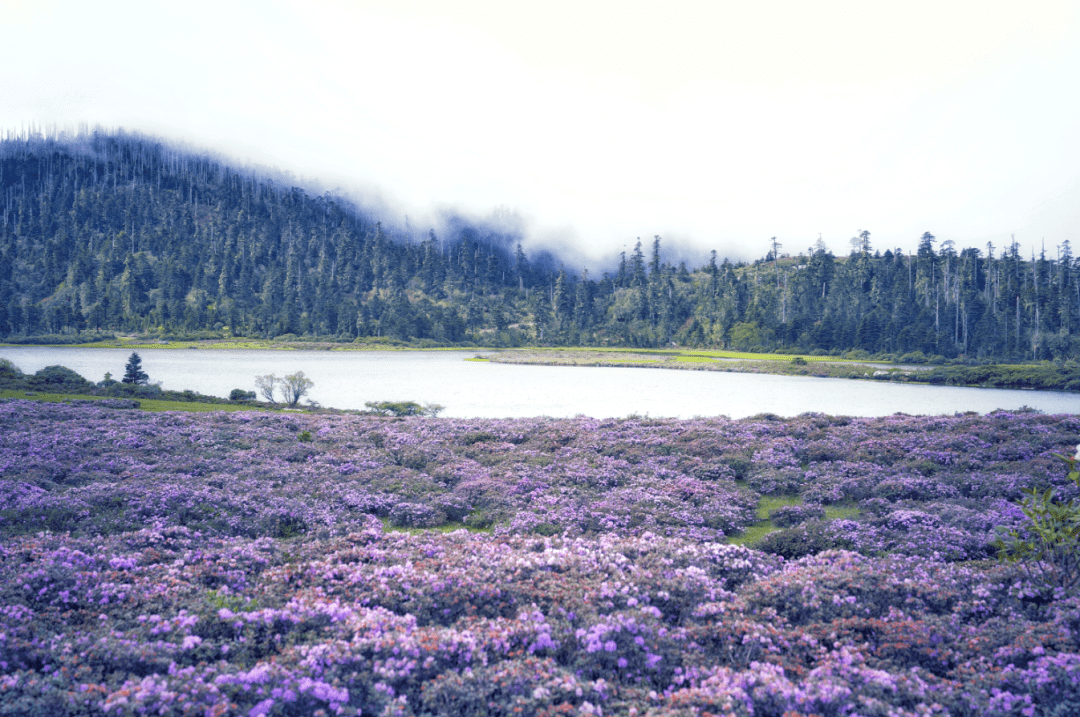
x: 93, y: 471
x: 789, y: 515
x: 416, y: 515
x: 197, y: 564
x: 1047, y: 544
x: 805, y: 539
x: 171, y: 621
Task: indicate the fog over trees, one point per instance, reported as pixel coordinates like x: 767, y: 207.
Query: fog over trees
x: 116, y: 232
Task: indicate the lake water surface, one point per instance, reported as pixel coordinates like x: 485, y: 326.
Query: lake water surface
x: 473, y: 389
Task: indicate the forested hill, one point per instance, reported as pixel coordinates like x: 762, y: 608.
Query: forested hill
x: 114, y: 232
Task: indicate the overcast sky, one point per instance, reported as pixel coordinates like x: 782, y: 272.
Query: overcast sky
x: 715, y: 125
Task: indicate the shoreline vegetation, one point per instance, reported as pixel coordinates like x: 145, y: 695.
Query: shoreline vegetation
x: 1045, y: 376
x: 909, y: 368
x: 59, y: 384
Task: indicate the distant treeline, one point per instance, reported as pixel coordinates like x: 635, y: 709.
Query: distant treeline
x: 113, y: 232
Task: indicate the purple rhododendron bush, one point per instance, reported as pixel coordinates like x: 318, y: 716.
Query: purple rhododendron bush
x: 241, y: 563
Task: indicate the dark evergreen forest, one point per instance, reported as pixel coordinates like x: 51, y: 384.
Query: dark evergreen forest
x: 123, y: 233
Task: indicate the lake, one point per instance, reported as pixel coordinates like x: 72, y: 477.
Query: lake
x: 475, y: 389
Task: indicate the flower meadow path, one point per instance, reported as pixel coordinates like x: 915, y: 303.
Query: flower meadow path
x: 220, y: 564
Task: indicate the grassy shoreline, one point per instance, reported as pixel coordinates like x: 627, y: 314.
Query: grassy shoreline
x: 143, y: 404
x: 381, y: 344
x: 142, y: 344
x: 1047, y: 377
x: 1034, y: 376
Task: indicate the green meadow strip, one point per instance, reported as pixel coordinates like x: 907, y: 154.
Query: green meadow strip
x: 145, y: 404
x: 753, y: 533
x: 841, y: 512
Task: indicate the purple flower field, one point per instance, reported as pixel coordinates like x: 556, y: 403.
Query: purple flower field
x: 241, y: 563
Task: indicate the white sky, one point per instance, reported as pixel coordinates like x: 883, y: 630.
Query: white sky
x: 715, y: 125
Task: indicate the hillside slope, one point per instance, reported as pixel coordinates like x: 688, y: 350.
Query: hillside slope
x: 115, y: 232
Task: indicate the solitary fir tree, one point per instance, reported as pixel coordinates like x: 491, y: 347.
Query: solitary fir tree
x: 133, y: 372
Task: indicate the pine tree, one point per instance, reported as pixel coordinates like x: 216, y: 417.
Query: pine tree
x: 133, y: 372
x: 637, y: 265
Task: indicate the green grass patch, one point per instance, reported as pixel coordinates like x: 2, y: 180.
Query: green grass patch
x: 752, y: 534
x: 685, y: 355
x: 747, y: 356
x: 597, y: 349
x: 145, y: 404
x: 203, y: 345
x: 36, y: 396
x: 841, y: 512
x: 769, y: 503
x: 245, y: 345
x: 619, y: 361
x: 755, y: 532
x: 194, y: 407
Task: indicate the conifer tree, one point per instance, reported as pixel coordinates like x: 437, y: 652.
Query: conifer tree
x: 133, y: 372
